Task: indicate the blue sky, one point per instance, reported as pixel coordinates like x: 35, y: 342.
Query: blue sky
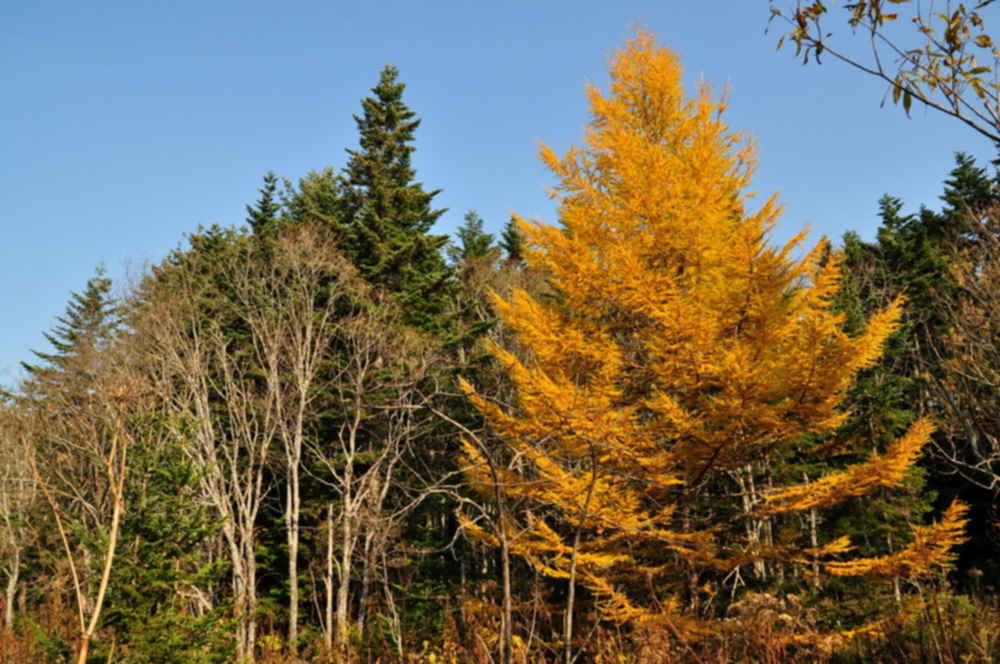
x: 127, y: 124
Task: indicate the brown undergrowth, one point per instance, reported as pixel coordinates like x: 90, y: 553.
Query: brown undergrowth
x: 935, y: 627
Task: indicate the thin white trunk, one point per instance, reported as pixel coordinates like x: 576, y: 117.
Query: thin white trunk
x: 897, y: 592
x: 109, y: 557
x: 814, y: 541
x: 328, y: 627
x: 292, y: 515
x: 251, y: 639
x: 760, y: 568
x: 347, y: 548
x: 366, y: 572
x: 13, y: 572
x: 506, y: 628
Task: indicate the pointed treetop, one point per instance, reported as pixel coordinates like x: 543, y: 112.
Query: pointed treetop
x: 679, y: 348
x: 968, y: 189
x: 512, y: 241
x: 387, y: 215
x: 263, y: 217
x: 387, y: 125
x: 473, y: 241
x: 89, y: 322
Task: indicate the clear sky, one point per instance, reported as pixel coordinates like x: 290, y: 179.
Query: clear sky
x: 125, y: 124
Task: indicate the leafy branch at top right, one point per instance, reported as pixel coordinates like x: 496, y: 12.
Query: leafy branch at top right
x: 945, y: 60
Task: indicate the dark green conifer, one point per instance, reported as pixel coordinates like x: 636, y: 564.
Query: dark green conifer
x: 89, y: 322
x: 164, y: 534
x: 318, y: 199
x: 263, y: 217
x: 968, y: 189
x: 473, y: 241
x: 912, y: 257
x: 387, y: 214
x: 511, y: 241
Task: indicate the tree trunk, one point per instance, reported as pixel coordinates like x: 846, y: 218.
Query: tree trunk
x: 245, y: 599
x: 760, y: 568
x: 345, y: 581
x: 292, y: 516
x: 506, y: 634
x: 814, y: 541
x: 365, y: 581
x: 13, y: 572
x: 81, y: 657
x: 571, y: 600
x: 251, y: 608
x: 896, y: 591
x: 328, y: 631
x: 102, y: 589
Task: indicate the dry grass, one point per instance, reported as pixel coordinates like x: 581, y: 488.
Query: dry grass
x: 945, y: 629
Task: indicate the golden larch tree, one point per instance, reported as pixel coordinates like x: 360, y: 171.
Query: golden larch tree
x: 676, y: 346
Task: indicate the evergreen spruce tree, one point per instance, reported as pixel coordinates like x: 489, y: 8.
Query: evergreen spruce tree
x: 263, y: 217
x: 511, y: 241
x: 916, y: 249
x: 474, y: 260
x: 89, y: 322
x: 969, y: 188
x: 319, y: 200
x: 165, y: 533
x: 912, y: 256
x: 474, y: 242
x: 387, y: 214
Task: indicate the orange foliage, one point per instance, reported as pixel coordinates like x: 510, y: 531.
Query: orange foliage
x: 679, y: 346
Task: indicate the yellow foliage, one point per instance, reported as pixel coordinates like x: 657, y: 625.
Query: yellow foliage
x: 931, y: 547
x: 885, y: 470
x: 678, y: 347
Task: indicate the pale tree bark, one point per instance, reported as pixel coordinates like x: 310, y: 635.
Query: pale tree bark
x: 86, y: 433
x: 247, y: 400
x: 328, y: 627
x: 584, y: 514
x: 10, y: 595
x: 965, y: 384
x: 292, y: 306
x: 377, y: 386
x: 18, y: 495
x: 227, y: 424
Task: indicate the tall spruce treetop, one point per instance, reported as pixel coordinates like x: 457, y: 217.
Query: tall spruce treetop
x: 89, y: 321
x: 915, y: 249
x: 263, y: 217
x: 473, y: 241
x: 389, y: 215
x: 969, y: 189
x: 511, y: 241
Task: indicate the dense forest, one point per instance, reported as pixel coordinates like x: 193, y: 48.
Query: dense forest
x: 646, y: 433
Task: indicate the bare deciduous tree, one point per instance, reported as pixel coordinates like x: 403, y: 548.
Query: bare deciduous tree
x: 226, y: 419
x: 968, y: 387
x: 244, y: 342
x: 18, y: 495
x: 380, y: 414
x: 292, y: 305
x: 84, y: 431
